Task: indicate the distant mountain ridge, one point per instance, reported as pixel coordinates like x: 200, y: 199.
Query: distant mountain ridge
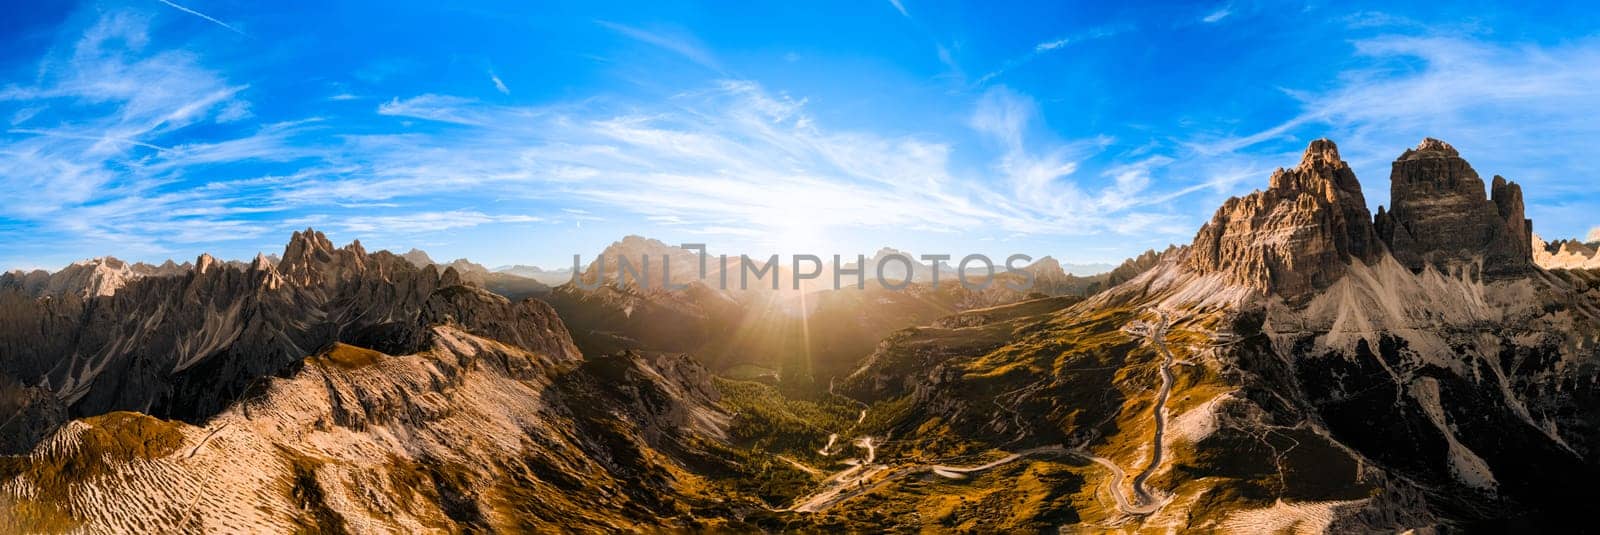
x: 553, y: 277
x: 93, y: 277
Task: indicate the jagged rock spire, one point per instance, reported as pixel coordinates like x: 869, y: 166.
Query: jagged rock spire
x: 310, y: 259
x: 205, y: 263
x: 1295, y: 237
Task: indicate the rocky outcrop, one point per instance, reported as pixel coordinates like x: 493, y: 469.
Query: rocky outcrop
x: 1297, y: 236
x: 1440, y: 217
x: 1566, y: 254
x: 1135, y: 266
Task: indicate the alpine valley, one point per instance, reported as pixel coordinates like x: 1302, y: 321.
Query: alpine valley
x: 1304, y: 365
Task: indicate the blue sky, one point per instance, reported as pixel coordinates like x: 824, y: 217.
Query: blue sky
x: 522, y: 133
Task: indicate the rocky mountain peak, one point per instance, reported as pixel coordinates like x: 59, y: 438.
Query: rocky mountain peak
x: 205, y: 263
x: 639, y: 250
x: 1046, y: 269
x: 1048, y: 263
x: 310, y: 258
x: 1321, y: 153
x: 95, y: 277
x: 261, y: 263
x: 1440, y: 216
x: 1430, y: 148
x: 1295, y: 237
x: 307, y: 247
x: 186, y: 346
x: 417, y: 257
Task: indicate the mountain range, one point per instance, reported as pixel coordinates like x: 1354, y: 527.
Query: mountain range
x: 1303, y: 365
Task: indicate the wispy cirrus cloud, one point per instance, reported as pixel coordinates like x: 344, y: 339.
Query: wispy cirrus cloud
x: 1044, y: 182
x: 1511, y: 109
x: 441, y: 108
x: 96, y: 151
x: 499, y: 85
x: 207, y: 18
x: 674, y: 41
x: 420, y: 222
x: 737, y: 153
x: 1218, y: 14
x: 733, y: 159
x: 1047, y: 47
x: 898, y: 6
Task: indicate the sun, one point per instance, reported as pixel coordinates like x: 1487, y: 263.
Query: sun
x: 801, y: 235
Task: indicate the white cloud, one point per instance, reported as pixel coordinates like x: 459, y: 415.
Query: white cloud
x: 414, y: 223
x: 1040, y: 179
x: 498, y: 84
x: 1217, y: 16
x: 235, y: 110
x: 77, y: 170
x: 1046, y: 47
x: 900, y: 7
x: 106, y: 171
x: 450, y: 109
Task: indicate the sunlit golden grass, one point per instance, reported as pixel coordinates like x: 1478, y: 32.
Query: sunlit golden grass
x: 349, y: 357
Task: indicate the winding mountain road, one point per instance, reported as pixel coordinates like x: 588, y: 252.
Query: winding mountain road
x: 1157, y: 337
x: 1143, y: 502
x: 1117, y: 475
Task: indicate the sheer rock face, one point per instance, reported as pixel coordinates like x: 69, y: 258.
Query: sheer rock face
x: 1295, y: 237
x: 1440, y: 216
